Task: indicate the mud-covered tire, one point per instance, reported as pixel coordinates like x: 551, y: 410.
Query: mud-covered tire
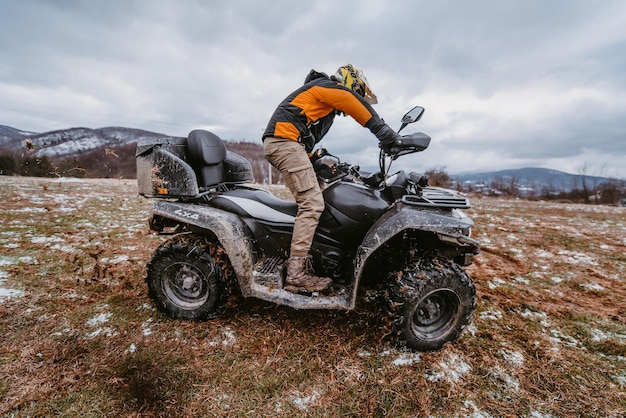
x: 187, y: 278
x: 432, y: 301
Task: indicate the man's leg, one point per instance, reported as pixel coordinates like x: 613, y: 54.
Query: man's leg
x: 290, y: 158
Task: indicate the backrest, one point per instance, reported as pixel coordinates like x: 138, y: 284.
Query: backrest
x: 206, y: 154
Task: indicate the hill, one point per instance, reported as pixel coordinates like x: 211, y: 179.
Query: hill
x: 83, y: 152
x: 69, y: 142
x: 530, y: 181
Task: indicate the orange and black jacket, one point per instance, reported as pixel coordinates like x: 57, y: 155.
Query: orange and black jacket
x: 307, y: 114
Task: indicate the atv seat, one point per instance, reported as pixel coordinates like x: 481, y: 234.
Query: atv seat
x: 212, y: 163
x: 256, y: 203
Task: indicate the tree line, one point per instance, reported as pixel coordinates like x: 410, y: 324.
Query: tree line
x: 119, y: 162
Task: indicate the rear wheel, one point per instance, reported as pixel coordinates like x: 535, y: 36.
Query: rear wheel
x: 187, y: 278
x: 432, y: 301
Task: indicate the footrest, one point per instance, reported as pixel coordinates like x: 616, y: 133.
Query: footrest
x: 270, y: 272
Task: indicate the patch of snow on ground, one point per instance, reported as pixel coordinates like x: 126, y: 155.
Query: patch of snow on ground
x: 522, y: 280
x: 475, y: 411
x: 514, y: 358
x: 537, y: 414
x: 599, y: 335
x: 406, y: 359
x: 10, y: 293
x: 543, y: 254
x: 592, y: 286
x: 99, y: 319
x: 509, y: 381
x: 450, y: 369
x: 495, y: 283
x: 42, y: 240
x: 577, y: 258
x: 534, y: 315
x: 303, y: 403
x: 109, y: 332
x: 115, y: 260
x: 557, y: 337
x: 364, y: 353
x: 6, y: 261
x: 145, y: 327
x: 491, y: 313
x: 27, y: 260
x: 228, y: 339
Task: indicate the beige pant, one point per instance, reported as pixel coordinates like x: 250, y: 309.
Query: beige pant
x: 290, y: 158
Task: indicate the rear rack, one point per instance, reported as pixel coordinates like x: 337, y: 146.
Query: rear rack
x: 436, y: 197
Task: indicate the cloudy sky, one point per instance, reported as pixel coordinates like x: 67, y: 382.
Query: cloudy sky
x: 505, y: 83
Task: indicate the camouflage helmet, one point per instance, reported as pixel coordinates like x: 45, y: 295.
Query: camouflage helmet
x: 353, y: 78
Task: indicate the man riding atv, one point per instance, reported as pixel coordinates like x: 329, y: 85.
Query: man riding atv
x: 300, y: 122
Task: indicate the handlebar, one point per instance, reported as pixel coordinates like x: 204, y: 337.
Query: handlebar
x: 409, y: 144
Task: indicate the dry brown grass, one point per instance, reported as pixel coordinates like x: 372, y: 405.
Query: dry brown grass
x: 79, y: 336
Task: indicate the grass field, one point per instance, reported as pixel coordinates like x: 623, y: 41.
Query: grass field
x: 80, y: 337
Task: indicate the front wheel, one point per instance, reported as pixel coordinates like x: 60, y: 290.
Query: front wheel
x: 432, y: 301
x: 187, y: 278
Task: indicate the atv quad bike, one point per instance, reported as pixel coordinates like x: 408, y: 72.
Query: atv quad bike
x: 377, y: 230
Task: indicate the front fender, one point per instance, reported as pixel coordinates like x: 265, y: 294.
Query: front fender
x: 449, y: 229
x: 229, y: 229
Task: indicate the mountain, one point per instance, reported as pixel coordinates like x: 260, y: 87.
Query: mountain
x: 70, y: 142
x: 530, y: 180
x: 11, y: 138
x: 84, y: 152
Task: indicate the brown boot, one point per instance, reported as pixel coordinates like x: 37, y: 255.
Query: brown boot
x: 300, y: 277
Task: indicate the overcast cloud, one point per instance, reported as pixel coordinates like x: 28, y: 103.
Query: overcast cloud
x: 505, y: 84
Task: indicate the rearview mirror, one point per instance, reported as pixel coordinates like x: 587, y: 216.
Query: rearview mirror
x: 411, y: 116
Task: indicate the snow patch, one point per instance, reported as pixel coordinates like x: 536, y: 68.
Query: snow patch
x: 303, y: 403
x: 145, y: 328
x: 228, y: 339
x: 475, y: 411
x: 115, y: 260
x: 534, y: 315
x: 514, y: 358
x: 599, y: 335
x: 495, y: 283
x: 577, y: 258
x: 99, y: 319
x: 405, y: 359
x: 451, y: 370
x: 108, y: 332
x: 43, y: 240
x: 592, y: 286
x: 491, y: 313
x: 10, y: 293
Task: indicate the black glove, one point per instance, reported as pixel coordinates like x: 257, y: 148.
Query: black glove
x: 387, y: 137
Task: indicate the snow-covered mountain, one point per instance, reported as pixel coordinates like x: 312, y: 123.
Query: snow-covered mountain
x: 69, y: 142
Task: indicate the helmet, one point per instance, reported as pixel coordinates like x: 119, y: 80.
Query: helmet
x: 354, y: 79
